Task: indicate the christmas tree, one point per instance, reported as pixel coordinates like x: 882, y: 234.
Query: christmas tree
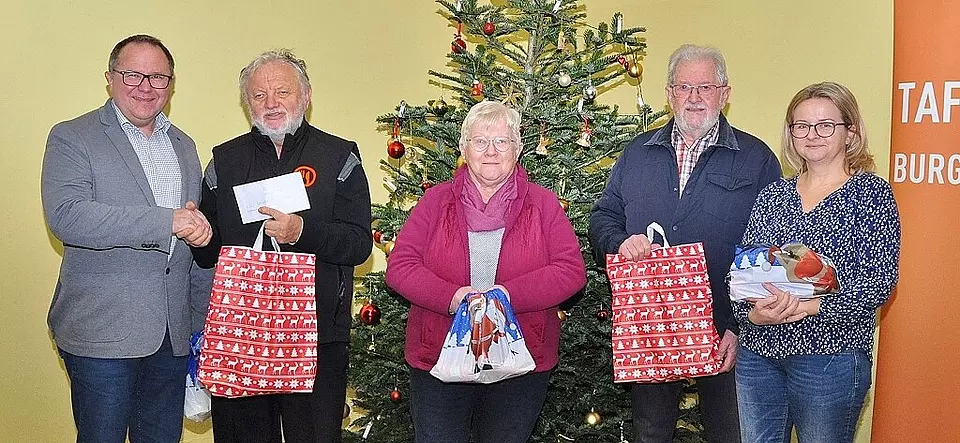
x: 540, y: 57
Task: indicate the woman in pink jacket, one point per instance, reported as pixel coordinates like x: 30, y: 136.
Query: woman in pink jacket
x: 490, y: 227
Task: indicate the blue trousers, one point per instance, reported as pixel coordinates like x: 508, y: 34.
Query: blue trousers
x: 114, y: 398
x: 505, y: 411
x: 821, y: 395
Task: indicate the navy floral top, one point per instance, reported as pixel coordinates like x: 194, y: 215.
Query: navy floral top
x: 859, y: 228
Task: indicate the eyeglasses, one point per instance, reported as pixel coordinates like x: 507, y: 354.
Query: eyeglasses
x: 481, y: 144
x: 134, y: 78
x: 823, y: 129
x: 683, y: 90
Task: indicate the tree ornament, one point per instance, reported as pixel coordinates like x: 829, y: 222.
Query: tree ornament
x: 592, y: 418
x: 564, y: 79
x: 602, y: 314
x: 377, y: 237
x: 564, y: 204
x: 438, y: 106
x: 370, y: 314
x: 590, y: 93
x: 562, y: 315
x: 542, y: 145
x: 635, y: 70
x: 458, y: 46
x: 346, y: 410
x: 425, y: 185
x: 585, y: 133
x: 622, y: 59
x: 489, y: 28
x: 477, y: 89
x: 395, y: 395
x: 460, y: 161
x: 395, y: 149
x: 388, y: 247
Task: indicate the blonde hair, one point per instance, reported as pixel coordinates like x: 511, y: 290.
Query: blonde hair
x: 857, y: 156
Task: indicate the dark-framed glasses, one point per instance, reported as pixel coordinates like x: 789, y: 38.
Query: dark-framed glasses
x: 480, y: 144
x: 683, y: 90
x: 134, y: 78
x: 823, y: 129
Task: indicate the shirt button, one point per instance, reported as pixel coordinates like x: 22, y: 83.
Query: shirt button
x: 675, y: 227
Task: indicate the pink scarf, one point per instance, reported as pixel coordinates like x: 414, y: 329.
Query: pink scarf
x: 492, y: 215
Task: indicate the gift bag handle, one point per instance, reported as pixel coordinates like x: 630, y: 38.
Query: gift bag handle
x: 655, y: 228
x: 258, y: 244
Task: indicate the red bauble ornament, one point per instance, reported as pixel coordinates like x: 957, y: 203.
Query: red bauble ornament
x: 602, y: 314
x: 458, y: 46
x: 395, y: 149
x: 489, y: 28
x: 377, y: 236
x: 370, y: 314
x: 396, y: 396
x: 425, y: 185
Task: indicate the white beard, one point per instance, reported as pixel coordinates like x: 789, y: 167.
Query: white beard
x: 290, y: 126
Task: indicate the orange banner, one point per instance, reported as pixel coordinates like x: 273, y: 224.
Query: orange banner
x: 918, y: 382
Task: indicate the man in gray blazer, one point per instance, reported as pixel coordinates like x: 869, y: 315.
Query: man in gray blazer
x: 119, y: 186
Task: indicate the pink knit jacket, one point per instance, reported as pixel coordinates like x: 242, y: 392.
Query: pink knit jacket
x: 540, y: 266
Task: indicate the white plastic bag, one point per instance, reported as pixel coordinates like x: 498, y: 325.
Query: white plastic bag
x: 196, y: 402
x: 485, y: 344
x: 196, y: 398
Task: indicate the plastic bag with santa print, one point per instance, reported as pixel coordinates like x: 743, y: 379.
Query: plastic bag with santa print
x: 485, y: 343
x: 793, y: 267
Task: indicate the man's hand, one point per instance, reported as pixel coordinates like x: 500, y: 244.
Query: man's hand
x: 635, y: 247
x: 285, y: 228
x: 728, y: 350
x: 190, y: 225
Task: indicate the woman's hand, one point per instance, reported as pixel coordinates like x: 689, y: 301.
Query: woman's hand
x: 778, y: 308
x: 458, y: 297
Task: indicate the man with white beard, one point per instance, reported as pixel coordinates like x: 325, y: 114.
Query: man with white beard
x: 276, y: 91
x: 698, y: 177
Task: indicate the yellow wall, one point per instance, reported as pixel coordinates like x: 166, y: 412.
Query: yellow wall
x: 363, y: 57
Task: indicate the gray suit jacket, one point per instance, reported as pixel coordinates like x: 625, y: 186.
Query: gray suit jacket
x: 117, y: 293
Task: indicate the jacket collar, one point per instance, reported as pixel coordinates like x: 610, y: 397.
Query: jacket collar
x: 725, y: 138
x: 291, y: 142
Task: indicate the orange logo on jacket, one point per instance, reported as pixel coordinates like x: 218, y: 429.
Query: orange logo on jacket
x: 308, y: 174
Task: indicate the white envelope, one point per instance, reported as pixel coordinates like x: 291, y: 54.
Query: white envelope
x: 284, y: 193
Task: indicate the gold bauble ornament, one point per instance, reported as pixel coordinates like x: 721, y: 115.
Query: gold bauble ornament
x: 564, y: 204
x: 635, y: 70
x: 562, y: 315
x: 460, y: 161
x: 388, y: 247
x: 592, y: 418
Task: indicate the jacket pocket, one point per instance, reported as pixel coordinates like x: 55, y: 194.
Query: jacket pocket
x: 728, y: 197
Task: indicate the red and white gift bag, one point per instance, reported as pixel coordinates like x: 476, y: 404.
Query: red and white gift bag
x: 260, y: 335
x: 663, y: 327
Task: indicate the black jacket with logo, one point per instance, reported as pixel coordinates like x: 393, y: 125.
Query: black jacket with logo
x: 336, y: 227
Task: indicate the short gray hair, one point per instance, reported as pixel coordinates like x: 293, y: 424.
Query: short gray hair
x: 274, y: 55
x: 690, y: 52
x: 488, y: 113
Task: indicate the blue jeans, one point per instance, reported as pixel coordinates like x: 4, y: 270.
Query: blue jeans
x: 821, y: 395
x: 501, y: 412
x: 114, y: 396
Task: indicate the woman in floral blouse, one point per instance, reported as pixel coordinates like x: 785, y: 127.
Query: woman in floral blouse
x: 806, y: 363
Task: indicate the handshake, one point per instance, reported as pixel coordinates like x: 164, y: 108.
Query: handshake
x: 191, y: 226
